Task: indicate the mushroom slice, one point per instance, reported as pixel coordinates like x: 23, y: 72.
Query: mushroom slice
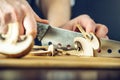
x: 95, y: 42
x: 49, y: 52
x: 11, y: 47
x: 84, y: 45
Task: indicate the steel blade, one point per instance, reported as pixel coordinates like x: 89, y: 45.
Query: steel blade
x: 56, y: 36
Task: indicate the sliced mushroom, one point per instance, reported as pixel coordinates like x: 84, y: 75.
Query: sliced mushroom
x: 48, y: 52
x: 13, y: 47
x: 95, y: 42
x: 84, y: 45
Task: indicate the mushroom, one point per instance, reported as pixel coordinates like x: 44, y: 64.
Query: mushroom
x: 95, y: 41
x: 49, y: 51
x: 84, y: 46
x: 13, y: 47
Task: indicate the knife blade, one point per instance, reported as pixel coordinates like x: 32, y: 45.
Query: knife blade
x: 57, y: 36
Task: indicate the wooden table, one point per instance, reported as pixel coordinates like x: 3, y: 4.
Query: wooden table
x: 61, y: 62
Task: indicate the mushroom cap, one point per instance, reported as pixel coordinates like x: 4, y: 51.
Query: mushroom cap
x: 17, y: 50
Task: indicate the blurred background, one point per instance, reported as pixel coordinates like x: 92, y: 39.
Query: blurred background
x: 59, y: 74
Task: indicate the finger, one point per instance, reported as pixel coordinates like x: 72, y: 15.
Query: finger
x: 4, y: 17
x: 87, y: 23
x: 3, y: 27
x: 30, y: 25
x: 29, y: 22
x: 38, y: 19
x: 101, y: 31
x: 13, y: 13
x: 19, y: 17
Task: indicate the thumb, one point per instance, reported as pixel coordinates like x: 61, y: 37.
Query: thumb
x: 30, y: 25
x: 38, y: 19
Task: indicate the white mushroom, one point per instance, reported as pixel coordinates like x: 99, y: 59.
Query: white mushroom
x: 95, y: 42
x: 11, y: 47
x: 90, y: 37
x: 85, y: 48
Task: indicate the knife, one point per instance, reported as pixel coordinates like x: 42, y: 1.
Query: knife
x: 64, y: 38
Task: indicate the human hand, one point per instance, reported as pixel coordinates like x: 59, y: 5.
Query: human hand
x: 18, y: 11
x: 88, y: 24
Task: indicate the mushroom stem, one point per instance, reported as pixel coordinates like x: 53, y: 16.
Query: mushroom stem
x: 13, y: 33
x: 49, y: 51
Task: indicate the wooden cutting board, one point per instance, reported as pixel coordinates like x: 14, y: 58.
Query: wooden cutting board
x: 60, y: 62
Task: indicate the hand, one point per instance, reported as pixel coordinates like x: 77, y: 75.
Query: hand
x: 18, y: 11
x: 88, y: 24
